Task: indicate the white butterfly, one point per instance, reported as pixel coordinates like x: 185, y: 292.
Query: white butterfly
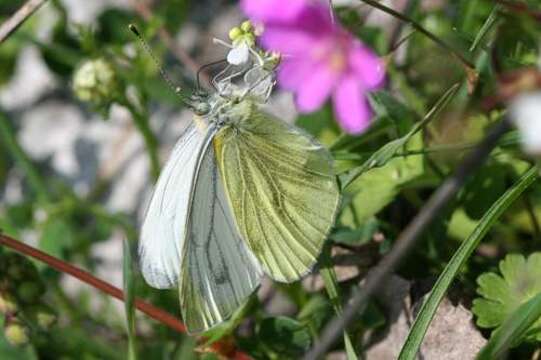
x: 242, y: 194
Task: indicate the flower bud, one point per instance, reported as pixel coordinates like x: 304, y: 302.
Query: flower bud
x: 8, y: 304
x: 16, y: 334
x: 247, y: 26
x: 29, y: 292
x: 234, y: 33
x: 95, y: 81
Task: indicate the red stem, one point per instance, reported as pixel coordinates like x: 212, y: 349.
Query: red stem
x: 157, y: 314
x: 62, y: 266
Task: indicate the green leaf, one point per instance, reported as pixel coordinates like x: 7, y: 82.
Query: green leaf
x: 486, y: 186
x: 284, y: 336
x: 513, y: 329
x: 129, y: 298
x: 228, y: 327
x: 519, y: 282
x: 315, y: 312
x: 430, y: 305
x: 355, y: 237
x: 56, y: 237
x: 387, y: 152
x: 377, y: 187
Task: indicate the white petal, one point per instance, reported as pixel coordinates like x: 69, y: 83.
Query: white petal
x: 239, y: 55
x: 525, y: 111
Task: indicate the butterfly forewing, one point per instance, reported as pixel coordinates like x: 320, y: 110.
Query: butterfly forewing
x: 282, y: 190
x: 162, y: 233
x: 218, y: 270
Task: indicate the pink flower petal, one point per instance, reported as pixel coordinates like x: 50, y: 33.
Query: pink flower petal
x: 272, y: 10
x: 292, y: 73
x: 368, y: 66
x: 316, y: 88
x: 288, y: 41
x: 350, y: 106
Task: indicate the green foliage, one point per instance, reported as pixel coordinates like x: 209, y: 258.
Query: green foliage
x: 501, y: 295
x: 425, y: 120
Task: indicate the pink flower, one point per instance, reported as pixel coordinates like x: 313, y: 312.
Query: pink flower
x: 320, y: 60
x: 272, y: 10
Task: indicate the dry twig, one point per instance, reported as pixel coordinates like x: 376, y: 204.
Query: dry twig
x: 16, y: 20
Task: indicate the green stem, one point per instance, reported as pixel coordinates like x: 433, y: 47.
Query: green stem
x: 467, y: 64
x: 35, y: 180
x: 151, y: 142
x: 333, y: 291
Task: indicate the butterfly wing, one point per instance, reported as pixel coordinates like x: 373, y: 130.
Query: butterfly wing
x: 162, y: 233
x: 282, y: 189
x: 218, y: 270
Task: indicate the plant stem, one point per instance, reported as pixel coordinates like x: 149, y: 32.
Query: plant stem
x: 408, y: 238
x: 16, y: 20
x: 467, y: 64
x: 333, y: 291
x: 35, y: 180
x: 151, y: 142
x: 64, y: 267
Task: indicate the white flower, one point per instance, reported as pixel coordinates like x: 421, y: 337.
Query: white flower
x: 525, y: 112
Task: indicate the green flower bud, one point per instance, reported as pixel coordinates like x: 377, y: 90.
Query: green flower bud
x: 247, y: 26
x: 16, y: 334
x: 29, y: 292
x: 43, y: 316
x: 8, y: 304
x: 95, y: 81
x: 235, y: 33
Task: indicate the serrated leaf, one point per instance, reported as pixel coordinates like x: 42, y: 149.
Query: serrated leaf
x: 503, y: 294
x: 430, y: 305
x: 522, y: 323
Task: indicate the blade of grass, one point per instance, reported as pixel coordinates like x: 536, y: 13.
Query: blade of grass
x: 9, y: 140
x: 460, y: 57
x: 333, y: 291
x: 430, y: 305
x: 408, y: 238
x: 387, y: 152
x: 513, y: 329
x: 129, y: 298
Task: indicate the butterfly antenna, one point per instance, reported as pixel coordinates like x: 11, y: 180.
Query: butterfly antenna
x: 175, y: 88
x: 203, y: 67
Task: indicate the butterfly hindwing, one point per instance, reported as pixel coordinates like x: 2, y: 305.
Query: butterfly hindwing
x: 282, y: 189
x: 218, y: 270
x: 162, y: 233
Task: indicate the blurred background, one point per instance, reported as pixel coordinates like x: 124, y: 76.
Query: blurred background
x: 78, y: 157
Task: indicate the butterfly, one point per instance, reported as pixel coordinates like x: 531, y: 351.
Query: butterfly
x: 242, y: 195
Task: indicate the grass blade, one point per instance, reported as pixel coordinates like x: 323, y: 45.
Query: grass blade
x: 331, y: 285
x: 430, y: 305
x: 387, y: 151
